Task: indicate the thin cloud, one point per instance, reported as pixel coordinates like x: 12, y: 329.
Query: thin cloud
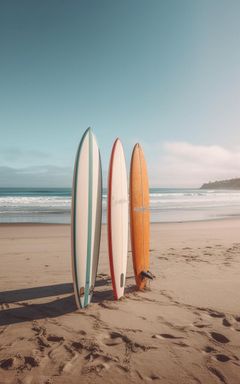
x: 36, y: 176
x: 182, y: 164
x: 213, y: 154
x: 14, y: 155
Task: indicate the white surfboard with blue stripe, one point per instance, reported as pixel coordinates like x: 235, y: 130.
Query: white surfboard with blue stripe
x: 86, y: 218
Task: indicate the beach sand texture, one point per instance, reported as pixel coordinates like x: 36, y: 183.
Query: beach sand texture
x: 185, y: 328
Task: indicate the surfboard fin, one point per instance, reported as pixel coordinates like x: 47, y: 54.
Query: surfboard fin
x: 147, y: 274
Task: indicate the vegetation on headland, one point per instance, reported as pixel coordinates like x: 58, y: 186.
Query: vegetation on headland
x: 222, y: 184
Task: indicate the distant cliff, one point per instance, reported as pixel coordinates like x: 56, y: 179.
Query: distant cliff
x: 222, y: 184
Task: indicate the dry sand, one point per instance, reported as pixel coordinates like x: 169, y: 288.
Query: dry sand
x: 185, y: 328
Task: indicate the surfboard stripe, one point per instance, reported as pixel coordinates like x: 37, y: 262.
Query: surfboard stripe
x: 97, y: 232
x: 89, y: 239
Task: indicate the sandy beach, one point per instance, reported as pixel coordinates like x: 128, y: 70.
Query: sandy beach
x: 185, y: 328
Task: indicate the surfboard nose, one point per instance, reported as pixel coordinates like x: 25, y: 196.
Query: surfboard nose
x: 137, y: 146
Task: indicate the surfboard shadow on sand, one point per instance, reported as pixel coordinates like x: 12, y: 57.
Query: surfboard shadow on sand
x: 58, y: 307
x: 35, y: 293
x: 30, y: 312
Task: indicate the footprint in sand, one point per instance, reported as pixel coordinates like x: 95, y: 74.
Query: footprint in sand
x: 94, y: 368
x: 86, y: 345
x: 216, y: 372
x: 108, y: 305
x: 219, y: 337
x: 67, y: 367
x: 43, y: 339
x: 227, y: 264
x: 223, y: 358
x: 237, y: 327
x: 201, y: 324
x: 218, y: 356
x: 30, y: 362
x: 227, y: 321
x: 96, y: 360
x: 166, y: 336
x: 7, y: 363
x: 209, y: 349
x: 113, y: 340
x: 55, y: 339
x: 19, y: 362
x: 49, y: 381
x: 133, y: 346
x: 216, y: 314
x: 154, y: 377
x: 42, y: 342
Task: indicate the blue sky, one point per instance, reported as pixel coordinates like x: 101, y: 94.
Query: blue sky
x: 163, y: 73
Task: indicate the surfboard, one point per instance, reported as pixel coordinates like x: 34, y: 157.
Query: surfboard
x: 139, y: 216
x: 86, y: 218
x: 117, y: 219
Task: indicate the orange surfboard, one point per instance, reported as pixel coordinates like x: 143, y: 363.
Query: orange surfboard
x: 139, y: 216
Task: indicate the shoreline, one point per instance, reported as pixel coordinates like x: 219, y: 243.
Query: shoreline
x: 229, y: 218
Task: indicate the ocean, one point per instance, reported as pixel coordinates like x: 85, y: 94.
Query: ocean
x: 35, y: 205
